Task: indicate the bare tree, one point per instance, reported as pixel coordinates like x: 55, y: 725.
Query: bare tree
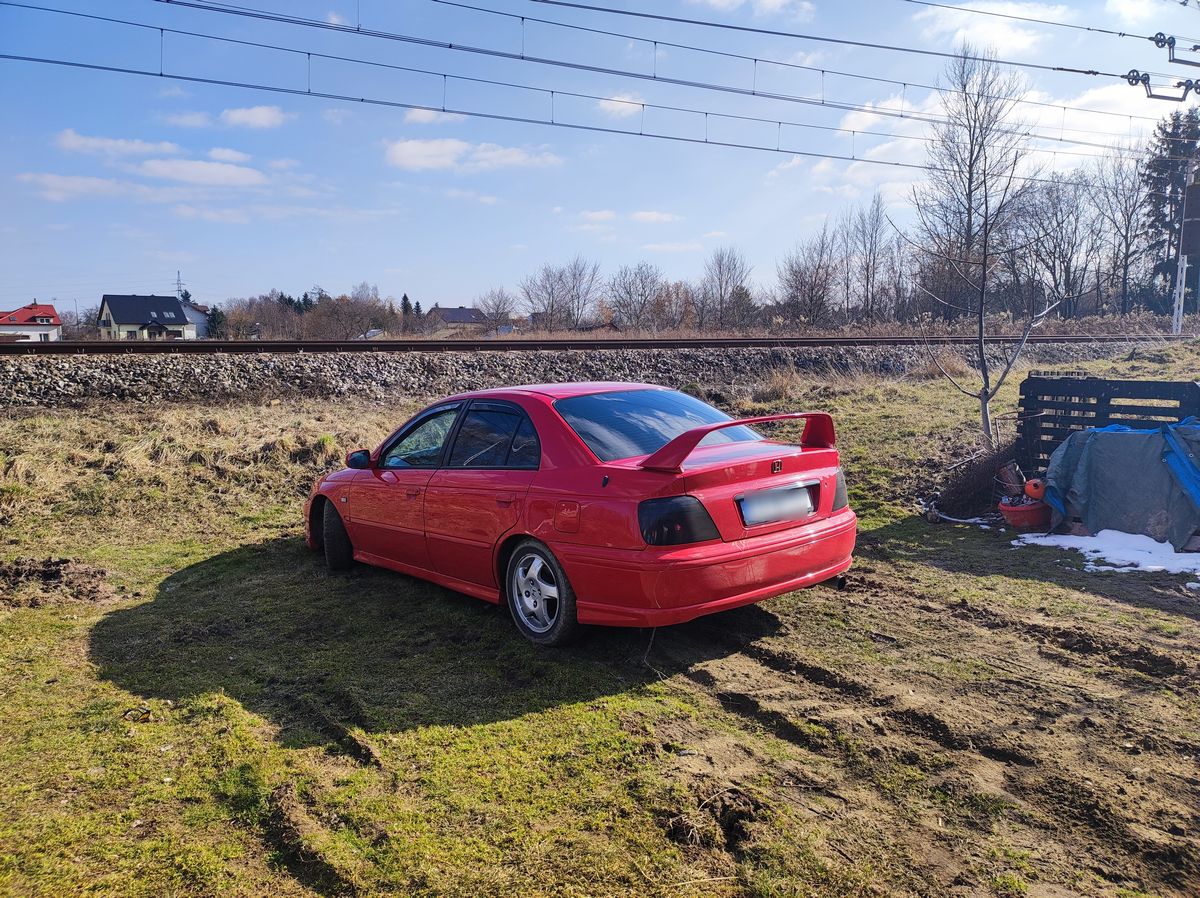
x: 725, y: 271
x: 582, y: 290
x: 1119, y: 194
x: 545, y: 298
x: 807, y: 278
x: 674, y: 306
x: 1061, y: 240
x: 496, y: 306
x: 967, y: 207
x: 632, y: 292
x: 868, y: 236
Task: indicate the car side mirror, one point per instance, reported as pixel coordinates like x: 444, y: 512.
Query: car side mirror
x: 359, y: 459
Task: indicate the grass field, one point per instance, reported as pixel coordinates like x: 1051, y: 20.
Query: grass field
x: 191, y: 705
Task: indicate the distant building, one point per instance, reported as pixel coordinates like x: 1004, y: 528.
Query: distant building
x: 36, y: 322
x: 458, y: 316
x: 198, y: 316
x: 144, y: 318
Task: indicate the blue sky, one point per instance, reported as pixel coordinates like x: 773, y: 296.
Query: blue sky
x: 112, y: 182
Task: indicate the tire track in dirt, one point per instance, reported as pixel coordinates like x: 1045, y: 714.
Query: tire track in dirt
x: 1064, y: 799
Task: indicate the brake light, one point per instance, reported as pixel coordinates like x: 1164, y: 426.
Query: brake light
x: 840, y: 499
x: 675, y: 521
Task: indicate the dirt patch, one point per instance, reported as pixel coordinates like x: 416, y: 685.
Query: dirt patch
x: 295, y: 836
x: 38, y: 582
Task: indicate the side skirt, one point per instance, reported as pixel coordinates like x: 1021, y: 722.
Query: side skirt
x: 487, y: 593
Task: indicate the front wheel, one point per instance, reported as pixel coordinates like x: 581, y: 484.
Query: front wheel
x: 540, y: 599
x: 339, y: 554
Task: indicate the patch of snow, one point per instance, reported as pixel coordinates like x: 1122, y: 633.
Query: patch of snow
x: 1112, y: 550
x: 1192, y: 584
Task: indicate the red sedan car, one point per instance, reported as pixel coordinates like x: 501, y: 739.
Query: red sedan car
x: 591, y: 503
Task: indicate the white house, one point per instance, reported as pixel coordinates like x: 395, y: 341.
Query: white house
x: 36, y: 322
x: 124, y: 317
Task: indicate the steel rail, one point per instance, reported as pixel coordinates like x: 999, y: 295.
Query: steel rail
x: 207, y: 347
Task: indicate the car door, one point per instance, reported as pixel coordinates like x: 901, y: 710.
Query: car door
x: 387, y: 500
x: 477, y: 494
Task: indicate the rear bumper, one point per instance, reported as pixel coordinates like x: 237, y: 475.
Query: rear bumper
x: 656, y: 587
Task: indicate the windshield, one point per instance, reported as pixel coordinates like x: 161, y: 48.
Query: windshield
x: 638, y: 422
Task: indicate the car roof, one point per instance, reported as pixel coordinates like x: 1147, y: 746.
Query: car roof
x: 557, y: 391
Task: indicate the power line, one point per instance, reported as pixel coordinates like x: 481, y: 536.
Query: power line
x: 781, y: 63
x: 847, y: 42
x: 560, y: 63
x: 552, y: 92
x: 495, y: 116
x: 1033, y: 19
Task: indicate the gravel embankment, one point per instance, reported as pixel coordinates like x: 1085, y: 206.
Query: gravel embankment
x: 72, y: 380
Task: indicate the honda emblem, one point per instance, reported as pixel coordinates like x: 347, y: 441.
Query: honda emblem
x: 777, y: 466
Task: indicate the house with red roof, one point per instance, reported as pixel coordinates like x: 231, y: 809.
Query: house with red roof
x: 35, y: 322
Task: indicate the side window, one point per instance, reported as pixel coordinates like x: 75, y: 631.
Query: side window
x: 488, y: 437
x: 421, y: 447
x: 526, y: 451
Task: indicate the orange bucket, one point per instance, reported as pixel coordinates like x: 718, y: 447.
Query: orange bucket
x: 1027, y: 516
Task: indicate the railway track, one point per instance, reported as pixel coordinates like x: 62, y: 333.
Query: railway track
x: 204, y: 347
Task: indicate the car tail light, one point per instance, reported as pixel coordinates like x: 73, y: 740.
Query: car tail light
x: 675, y: 521
x: 840, y: 499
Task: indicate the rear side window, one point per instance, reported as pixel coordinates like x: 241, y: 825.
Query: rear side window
x: 639, y: 422
x: 495, y: 437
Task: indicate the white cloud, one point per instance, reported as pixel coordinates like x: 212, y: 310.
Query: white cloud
x: 451, y: 154
x: 172, y: 91
x: 786, y: 165
x: 621, y: 105
x: 335, y: 116
x: 651, y: 217
x: 74, y: 142
x: 455, y: 193
x: 598, y: 215
x: 255, y: 117
x: 217, y: 216
x: 1132, y: 12
x: 283, y: 164
x: 224, y: 154
x: 189, y: 119
x: 799, y: 10
x: 334, y: 19
x: 208, y: 174
x: 680, y: 247
x: 1007, y: 38
x: 60, y: 188
x: 712, y: 235
x: 430, y: 117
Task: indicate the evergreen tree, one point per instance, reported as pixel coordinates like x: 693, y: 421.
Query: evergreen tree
x: 417, y: 313
x: 406, y: 306
x: 1171, y: 150
x: 216, y: 324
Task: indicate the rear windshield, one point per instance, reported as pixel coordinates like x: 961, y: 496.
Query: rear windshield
x: 638, y: 422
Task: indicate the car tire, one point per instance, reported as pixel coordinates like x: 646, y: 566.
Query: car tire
x: 532, y: 577
x: 339, y: 553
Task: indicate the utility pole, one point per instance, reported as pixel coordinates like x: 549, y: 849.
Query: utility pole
x: 1189, y: 243
x: 178, y: 285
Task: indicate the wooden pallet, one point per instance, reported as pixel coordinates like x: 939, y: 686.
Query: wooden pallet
x: 1052, y: 407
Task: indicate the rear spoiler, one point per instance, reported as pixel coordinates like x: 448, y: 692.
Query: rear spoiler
x: 818, y: 434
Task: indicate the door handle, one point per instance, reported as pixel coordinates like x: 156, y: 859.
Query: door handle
x: 412, y: 492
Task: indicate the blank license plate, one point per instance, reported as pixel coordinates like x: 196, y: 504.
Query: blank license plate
x: 785, y: 504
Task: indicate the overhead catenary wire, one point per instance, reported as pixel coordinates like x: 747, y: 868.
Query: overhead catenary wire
x: 756, y: 60
x: 235, y: 9
x: 775, y: 122
x: 495, y: 116
x: 824, y: 102
x: 819, y: 38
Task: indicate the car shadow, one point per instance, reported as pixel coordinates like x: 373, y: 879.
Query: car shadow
x: 966, y: 549
x: 318, y: 653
